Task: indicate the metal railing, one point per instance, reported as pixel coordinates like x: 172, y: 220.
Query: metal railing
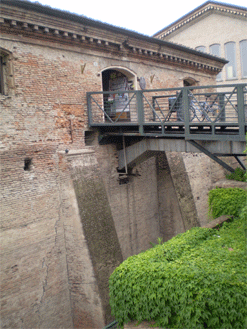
x: 207, y: 112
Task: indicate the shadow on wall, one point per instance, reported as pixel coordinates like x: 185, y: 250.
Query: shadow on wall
x: 99, y: 229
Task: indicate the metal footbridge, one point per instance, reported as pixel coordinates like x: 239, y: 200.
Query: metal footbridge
x: 209, y: 119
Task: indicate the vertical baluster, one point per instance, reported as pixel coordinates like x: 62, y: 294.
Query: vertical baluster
x: 140, y: 110
x: 241, y: 114
x: 186, y: 108
x: 89, y: 109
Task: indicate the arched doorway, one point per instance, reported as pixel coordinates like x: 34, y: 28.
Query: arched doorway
x: 116, y: 104
x: 189, y: 82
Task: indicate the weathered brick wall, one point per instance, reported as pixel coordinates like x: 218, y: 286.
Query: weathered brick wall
x: 144, y: 209
x: 49, y: 103
x: 50, y: 276
x: 34, y: 279
x: 50, y: 91
x: 134, y: 205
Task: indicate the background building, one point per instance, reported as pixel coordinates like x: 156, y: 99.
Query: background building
x: 216, y: 28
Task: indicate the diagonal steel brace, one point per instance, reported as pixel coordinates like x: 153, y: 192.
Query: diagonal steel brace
x: 213, y: 157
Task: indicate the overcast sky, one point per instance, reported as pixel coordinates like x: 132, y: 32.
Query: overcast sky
x: 146, y: 16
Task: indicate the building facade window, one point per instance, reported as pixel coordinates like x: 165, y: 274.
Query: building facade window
x: 215, y: 50
x: 230, y: 54
x: 243, y: 57
x: 201, y: 48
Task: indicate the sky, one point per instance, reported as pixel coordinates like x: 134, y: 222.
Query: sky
x: 145, y: 17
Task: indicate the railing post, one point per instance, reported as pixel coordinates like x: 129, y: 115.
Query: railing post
x: 89, y: 109
x: 241, y: 114
x: 140, y: 110
x: 222, y: 115
x: 153, y: 104
x: 186, y: 107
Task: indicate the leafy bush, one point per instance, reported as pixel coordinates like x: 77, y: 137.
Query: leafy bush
x: 238, y: 175
x: 226, y: 201
x: 197, y: 279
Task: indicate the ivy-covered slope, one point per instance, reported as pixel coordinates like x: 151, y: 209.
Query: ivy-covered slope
x: 227, y: 201
x: 198, y: 279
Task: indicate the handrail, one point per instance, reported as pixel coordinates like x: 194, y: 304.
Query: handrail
x: 202, y: 112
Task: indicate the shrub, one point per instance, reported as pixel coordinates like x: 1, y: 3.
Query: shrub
x: 226, y: 201
x: 238, y: 175
x: 196, y: 280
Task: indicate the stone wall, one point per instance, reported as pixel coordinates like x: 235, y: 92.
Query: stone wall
x: 66, y: 220
x: 203, y: 173
x: 183, y: 190
x: 97, y: 221
x: 87, y: 309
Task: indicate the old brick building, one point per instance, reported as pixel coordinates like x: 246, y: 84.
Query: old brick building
x: 66, y: 222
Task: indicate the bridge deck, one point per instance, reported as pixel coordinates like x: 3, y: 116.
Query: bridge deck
x: 209, y: 113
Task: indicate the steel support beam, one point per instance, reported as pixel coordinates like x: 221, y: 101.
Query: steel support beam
x: 240, y: 162
x: 213, y: 157
x: 141, y: 150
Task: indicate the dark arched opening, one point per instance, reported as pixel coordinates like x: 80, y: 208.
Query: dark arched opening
x: 189, y: 82
x: 116, y: 104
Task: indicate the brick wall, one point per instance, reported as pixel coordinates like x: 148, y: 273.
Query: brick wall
x: 34, y: 279
x: 50, y: 276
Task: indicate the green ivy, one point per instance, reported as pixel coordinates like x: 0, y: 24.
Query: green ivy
x: 226, y: 201
x: 197, y: 279
x: 238, y: 175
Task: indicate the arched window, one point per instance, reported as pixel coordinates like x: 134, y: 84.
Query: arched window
x: 215, y: 50
x: 243, y: 56
x: 201, y: 48
x: 230, y: 54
